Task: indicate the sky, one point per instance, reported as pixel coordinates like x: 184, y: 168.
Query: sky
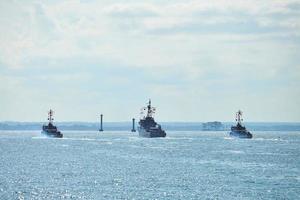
x: 197, y: 60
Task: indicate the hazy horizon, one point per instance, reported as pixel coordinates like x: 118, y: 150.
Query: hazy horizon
x: 95, y: 122
x: 197, y: 60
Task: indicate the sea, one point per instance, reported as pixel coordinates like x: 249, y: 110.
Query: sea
x: 122, y: 165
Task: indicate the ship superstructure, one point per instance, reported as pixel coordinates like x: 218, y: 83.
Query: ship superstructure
x: 239, y: 130
x: 147, y: 125
x: 51, y: 130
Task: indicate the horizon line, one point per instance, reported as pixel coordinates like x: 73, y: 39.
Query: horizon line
x: 9, y: 121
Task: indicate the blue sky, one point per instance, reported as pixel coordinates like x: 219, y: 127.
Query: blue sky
x: 196, y: 60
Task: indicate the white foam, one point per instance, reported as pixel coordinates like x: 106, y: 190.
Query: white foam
x: 268, y: 139
x: 40, y: 137
x: 79, y: 139
x: 236, y: 152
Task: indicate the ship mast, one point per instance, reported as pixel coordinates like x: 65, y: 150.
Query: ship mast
x: 150, y: 109
x: 238, y: 117
x: 147, y: 111
x: 50, y: 116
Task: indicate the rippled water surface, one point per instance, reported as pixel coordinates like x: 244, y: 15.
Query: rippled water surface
x: 120, y: 165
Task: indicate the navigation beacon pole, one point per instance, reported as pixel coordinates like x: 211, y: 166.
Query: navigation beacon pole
x: 101, y: 123
x: 133, y: 124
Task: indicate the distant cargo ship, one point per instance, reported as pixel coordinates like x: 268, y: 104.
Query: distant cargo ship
x: 147, y: 125
x: 50, y: 130
x: 212, y: 126
x: 239, y: 130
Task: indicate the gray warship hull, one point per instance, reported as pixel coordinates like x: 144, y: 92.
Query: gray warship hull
x: 239, y: 130
x: 147, y: 126
x: 52, y: 134
x: 50, y: 130
x: 241, y: 134
x: 151, y: 133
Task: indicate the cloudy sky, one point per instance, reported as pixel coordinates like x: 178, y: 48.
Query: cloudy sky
x: 196, y: 60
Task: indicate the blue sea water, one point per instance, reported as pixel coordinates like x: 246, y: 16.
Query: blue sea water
x: 121, y: 165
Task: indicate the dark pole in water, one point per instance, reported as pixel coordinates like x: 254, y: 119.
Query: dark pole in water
x: 101, y: 123
x: 133, y: 123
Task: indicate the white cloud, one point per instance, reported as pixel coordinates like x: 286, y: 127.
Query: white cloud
x: 199, y: 44
x: 73, y: 28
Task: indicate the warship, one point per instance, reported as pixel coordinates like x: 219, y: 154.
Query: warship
x: 239, y: 130
x: 147, y: 125
x: 50, y: 130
